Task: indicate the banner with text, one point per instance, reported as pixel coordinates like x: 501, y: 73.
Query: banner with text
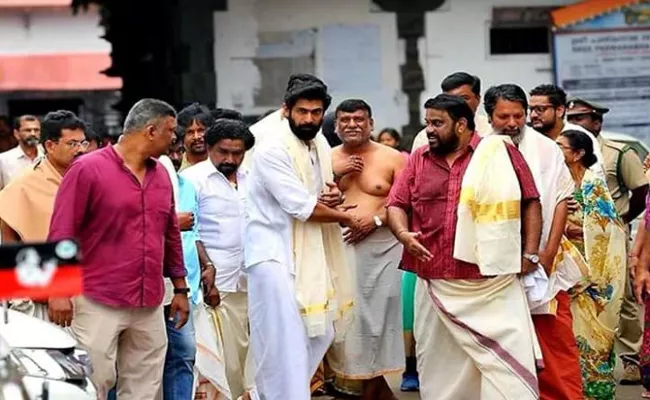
x: 611, y: 67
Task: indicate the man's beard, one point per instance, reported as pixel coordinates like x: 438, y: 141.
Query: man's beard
x: 227, y: 169
x: 516, y: 135
x: 447, y: 146
x: 304, y: 132
x: 544, y: 128
x: 30, y: 141
x: 198, y: 147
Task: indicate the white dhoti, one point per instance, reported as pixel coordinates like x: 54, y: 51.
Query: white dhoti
x: 474, y: 340
x: 285, y: 357
x: 374, y: 344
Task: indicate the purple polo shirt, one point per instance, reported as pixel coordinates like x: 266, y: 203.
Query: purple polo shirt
x: 128, y: 232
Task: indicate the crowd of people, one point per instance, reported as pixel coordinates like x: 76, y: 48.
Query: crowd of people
x: 276, y: 262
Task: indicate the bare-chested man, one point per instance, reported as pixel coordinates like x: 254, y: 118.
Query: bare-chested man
x: 365, y: 172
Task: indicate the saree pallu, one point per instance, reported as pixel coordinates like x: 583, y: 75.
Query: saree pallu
x: 596, y: 301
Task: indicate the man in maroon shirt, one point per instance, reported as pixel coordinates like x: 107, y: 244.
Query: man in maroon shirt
x: 118, y: 203
x: 463, y: 320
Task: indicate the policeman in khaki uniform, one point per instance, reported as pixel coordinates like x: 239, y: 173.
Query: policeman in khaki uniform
x: 628, y: 186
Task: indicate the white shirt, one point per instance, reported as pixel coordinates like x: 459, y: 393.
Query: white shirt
x: 221, y: 221
x: 13, y: 162
x: 276, y: 196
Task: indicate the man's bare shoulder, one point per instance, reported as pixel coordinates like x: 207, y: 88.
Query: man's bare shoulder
x: 389, y: 154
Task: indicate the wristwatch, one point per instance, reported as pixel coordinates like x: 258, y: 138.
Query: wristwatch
x: 184, y: 290
x: 377, y: 220
x: 533, y: 258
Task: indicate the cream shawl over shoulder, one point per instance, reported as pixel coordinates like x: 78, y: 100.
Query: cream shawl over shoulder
x: 488, y: 230
x: 323, y: 284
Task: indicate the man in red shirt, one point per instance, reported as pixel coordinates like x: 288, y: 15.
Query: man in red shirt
x: 118, y: 203
x: 474, y: 337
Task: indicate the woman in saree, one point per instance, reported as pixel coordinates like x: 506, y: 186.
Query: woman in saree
x: 597, y: 231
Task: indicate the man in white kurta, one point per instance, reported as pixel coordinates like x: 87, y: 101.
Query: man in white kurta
x: 285, y: 181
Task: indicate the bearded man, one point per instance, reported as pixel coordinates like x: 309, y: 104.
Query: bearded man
x: 298, y: 278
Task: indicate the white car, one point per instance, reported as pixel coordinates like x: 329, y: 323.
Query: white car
x: 47, y: 357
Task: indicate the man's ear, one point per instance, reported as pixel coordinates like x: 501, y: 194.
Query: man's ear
x: 285, y: 111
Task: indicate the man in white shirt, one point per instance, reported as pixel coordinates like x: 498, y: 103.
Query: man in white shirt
x: 293, y: 249
x: 468, y: 87
x: 547, y: 108
x: 220, y: 184
x: 27, y: 132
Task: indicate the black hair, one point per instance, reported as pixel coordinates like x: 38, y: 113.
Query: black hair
x: 195, y: 112
x: 226, y: 113
x: 352, y: 105
x: 229, y: 129
x: 308, y: 87
x: 93, y: 134
x: 580, y: 141
x: 455, y: 106
x: 508, y: 92
x: 56, y: 121
x: 556, y: 95
x: 458, y: 79
x: 329, y: 129
x: 19, y: 120
x: 392, y: 132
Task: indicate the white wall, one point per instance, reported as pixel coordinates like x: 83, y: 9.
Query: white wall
x: 50, y: 31
x: 236, y: 42
x: 458, y: 40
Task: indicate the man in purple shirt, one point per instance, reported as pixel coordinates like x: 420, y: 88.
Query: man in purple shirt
x: 118, y: 203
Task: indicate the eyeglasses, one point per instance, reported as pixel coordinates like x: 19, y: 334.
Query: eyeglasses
x: 75, y: 144
x: 539, y: 108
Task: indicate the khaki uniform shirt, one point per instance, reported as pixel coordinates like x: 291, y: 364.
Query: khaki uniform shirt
x: 630, y: 171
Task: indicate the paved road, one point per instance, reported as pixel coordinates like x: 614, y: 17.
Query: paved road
x: 623, y: 392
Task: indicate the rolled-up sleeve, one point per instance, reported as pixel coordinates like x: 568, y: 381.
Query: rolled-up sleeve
x: 400, y: 193
x: 274, y: 167
x: 173, y: 266
x: 71, y: 202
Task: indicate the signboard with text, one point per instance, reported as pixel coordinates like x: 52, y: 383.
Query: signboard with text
x: 607, y: 60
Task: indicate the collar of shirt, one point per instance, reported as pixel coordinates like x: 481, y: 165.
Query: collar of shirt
x: 206, y: 168
x: 150, y: 163
x: 18, y: 153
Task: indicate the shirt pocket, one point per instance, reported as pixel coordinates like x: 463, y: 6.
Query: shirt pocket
x: 429, y: 205
x: 158, y: 208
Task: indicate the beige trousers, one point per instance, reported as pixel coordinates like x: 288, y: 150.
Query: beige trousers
x: 132, y: 339
x: 233, y: 316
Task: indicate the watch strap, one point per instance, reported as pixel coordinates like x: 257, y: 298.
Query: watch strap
x: 184, y: 290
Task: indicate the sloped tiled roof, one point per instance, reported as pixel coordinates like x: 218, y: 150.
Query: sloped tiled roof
x: 583, y: 10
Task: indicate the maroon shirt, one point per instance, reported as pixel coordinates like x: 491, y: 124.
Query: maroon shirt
x: 429, y: 190
x: 128, y: 233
